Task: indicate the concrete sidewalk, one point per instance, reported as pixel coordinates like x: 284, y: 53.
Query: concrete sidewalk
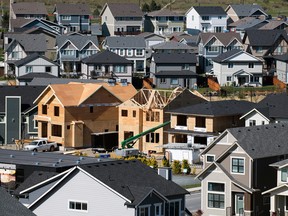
x: 194, y: 190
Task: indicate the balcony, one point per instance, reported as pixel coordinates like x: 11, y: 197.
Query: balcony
x: 123, y: 33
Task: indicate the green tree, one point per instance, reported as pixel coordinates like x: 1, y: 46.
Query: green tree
x: 154, y: 6
x: 176, y: 167
x: 145, y: 7
x: 185, y: 165
x: 152, y: 162
x: 165, y: 162
x: 5, y: 21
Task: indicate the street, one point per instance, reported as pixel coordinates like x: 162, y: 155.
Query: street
x: 193, y: 201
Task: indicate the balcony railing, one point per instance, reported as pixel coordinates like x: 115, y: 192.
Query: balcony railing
x: 127, y: 33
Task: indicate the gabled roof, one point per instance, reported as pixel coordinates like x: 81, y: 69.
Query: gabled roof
x: 244, y: 10
x: 29, y: 42
x: 106, y: 57
x: 79, y: 41
x: 29, y: 8
x: 280, y: 164
x: 10, y: 206
x: 209, y: 10
x: 260, y: 141
x: 30, y: 58
x: 72, y: 9
x: 215, y: 108
x: 174, y: 58
x: 164, y: 12
x: 172, y: 45
x: 224, y: 37
x: 28, y: 95
x: 147, y: 35
x: 123, y: 9
x: 227, y: 56
x: 125, y: 42
x: 264, y: 37
x: 274, y: 24
x: 30, y: 76
x: 264, y: 112
x: 247, y: 23
x: 176, y: 74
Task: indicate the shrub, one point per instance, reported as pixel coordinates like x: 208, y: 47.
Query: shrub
x: 165, y: 162
x: 185, y: 165
x: 176, y: 167
x: 152, y: 162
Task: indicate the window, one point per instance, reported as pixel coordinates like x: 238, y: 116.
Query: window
x: 66, y: 17
x: 152, y: 138
x: 284, y: 174
x: 119, y: 69
x: 24, y: 119
x: 48, y: 69
x: 186, y: 67
x: 15, y: 55
x: 182, y: 120
x: 29, y: 69
x: 56, y: 111
x: 259, y: 50
x: 174, y: 81
x: 80, y: 206
x: 158, y: 209
x: 216, y: 200
x: 68, y: 127
x: 152, y: 116
x: 175, y: 208
x: 192, y: 18
x: 230, y: 65
x: 205, y: 17
x: 68, y: 52
x: 263, y: 122
x: 229, y: 78
x: 27, y: 16
x: 129, y: 52
x: 200, y: 122
x: 212, y: 186
x: 213, y: 49
x: 139, y: 52
x: 57, y: 130
x: 251, y: 65
x: 219, y: 17
x: 35, y: 123
x: 91, y: 109
x: 139, y: 65
x: 210, y: 158
x: 121, y: 52
x: 134, y: 113
x: 252, y: 122
x: 144, y: 210
x: 162, y: 80
x: 237, y: 165
x: 44, y: 109
x: 124, y: 113
x: 2, y: 119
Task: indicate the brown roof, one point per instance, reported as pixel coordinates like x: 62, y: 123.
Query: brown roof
x: 124, y: 9
x: 164, y: 12
x: 72, y: 9
x: 19, y: 22
x: 29, y: 8
x: 121, y: 92
x: 225, y: 38
x: 273, y: 24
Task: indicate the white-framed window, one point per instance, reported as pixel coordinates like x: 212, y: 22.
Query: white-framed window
x: 230, y: 65
x: 205, y: 18
x: 15, y: 55
x: 251, y: 65
x: 29, y: 69
x: 162, y: 80
x: 90, y: 52
x: 252, y: 122
x: 185, y: 67
x: 68, y: 52
x: 284, y: 174
x: 210, y: 158
x: 121, y: 52
x: 192, y: 17
x: 158, y: 209
x: 216, y: 195
x: 139, y: 52
x: 77, y: 205
x: 2, y: 119
x: 213, y: 49
x: 129, y: 52
x: 113, y: 50
x: 66, y: 17
x: 174, y: 81
x: 119, y: 69
x: 237, y: 165
x: 218, y: 29
x: 24, y: 119
x: 144, y: 210
x: 48, y: 69
x: 175, y: 207
x: 97, y: 67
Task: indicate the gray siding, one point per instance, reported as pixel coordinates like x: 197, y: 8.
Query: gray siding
x: 13, y: 118
x: 183, y: 82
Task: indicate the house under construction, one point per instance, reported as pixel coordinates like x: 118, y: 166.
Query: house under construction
x: 147, y: 109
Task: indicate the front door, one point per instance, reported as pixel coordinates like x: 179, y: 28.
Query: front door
x: 239, y: 204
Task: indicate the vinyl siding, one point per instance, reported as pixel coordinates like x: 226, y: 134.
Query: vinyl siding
x: 13, y: 119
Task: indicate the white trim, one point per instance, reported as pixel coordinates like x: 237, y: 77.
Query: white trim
x: 231, y: 170
x: 216, y: 192
x: 88, y: 41
x: 160, y: 207
x: 243, y: 116
x: 60, y: 48
x: 143, y: 207
x: 209, y: 155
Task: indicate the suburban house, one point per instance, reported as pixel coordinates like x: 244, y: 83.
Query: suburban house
x: 210, y: 45
x: 121, y: 19
x: 71, y: 49
x: 133, y: 187
x: 69, y: 114
x: 107, y: 65
x: 237, y: 169
x: 265, y: 44
x: 206, y: 19
x: 238, y: 11
x: 237, y: 67
x: 19, y: 46
x: 130, y: 47
x: 164, y: 22
x: 35, y: 63
x: 172, y: 47
x: 148, y: 109
x: 152, y: 39
x: 17, y: 113
x: 272, y: 109
x: 75, y: 17
x: 282, y: 67
x: 278, y: 195
x: 170, y: 70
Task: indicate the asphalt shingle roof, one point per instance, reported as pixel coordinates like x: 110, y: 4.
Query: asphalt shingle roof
x: 260, y: 141
x: 172, y: 45
x: 72, y: 9
x: 80, y: 41
x: 30, y: 58
x: 179, y: 74
x: 29, y: 8
x: 164, y: 12
x: 210, y: 10
x: 28, y: 95
x: 223, y: 56
x: 106, y: 57
x: 30, y: 76
x: 224, y: 37
x: 264, y: 37
x: 182, y: 58
x: 283, y: 57
x: 125, y: 42
x: 125, y: 10
x: 216, y: 108
x: 10, y: 206
x: 247, y: 23
x: 244, y: 10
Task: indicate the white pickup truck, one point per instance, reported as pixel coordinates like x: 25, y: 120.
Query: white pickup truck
x: 41, y: 145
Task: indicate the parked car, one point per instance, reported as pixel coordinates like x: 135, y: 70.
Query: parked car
x: 41, y: 145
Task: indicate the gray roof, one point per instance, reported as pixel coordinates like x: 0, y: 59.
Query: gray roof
x: 10, y: 206
x: 264, y: 37
x: 31, y: 76
x: 172, y: 45
x: 30, y: 58
x: 244, y: 10
x: 96, y: 29
x: 129, y: 178
x: 72, y: 9
x: 283, y: 57
x: 106, y: 57
x: 216, y: 108
x: 174, y: 58
x: 210, y: 10
x: 28, y: 95
x: 224, y: 37
x: 125, y: 42
x: 30, y: 42
x: 164, y: 12
x: 177, y: 74
x: 280, y: 163
x: 37, y: 81
x: 29, y: 8
x: 248, y: 22
x: 260, y: 141
x: 222, y: 57
x: 80, y: 41
x: 125, y: 9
